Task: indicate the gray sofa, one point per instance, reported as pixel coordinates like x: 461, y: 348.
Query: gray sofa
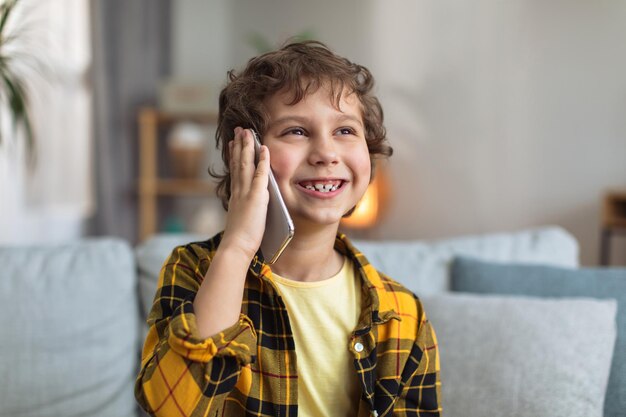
x: 72, y: 319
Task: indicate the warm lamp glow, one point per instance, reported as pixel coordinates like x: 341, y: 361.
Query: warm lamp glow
x: 368, y: 210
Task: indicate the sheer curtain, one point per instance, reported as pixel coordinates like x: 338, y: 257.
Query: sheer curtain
x: 131, y: 55
x: 52, y: 201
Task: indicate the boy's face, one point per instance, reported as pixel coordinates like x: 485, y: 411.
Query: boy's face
x: 318, y: 154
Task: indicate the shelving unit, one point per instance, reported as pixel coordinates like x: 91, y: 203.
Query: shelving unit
x: 151, y: 187
x: 613, y: 222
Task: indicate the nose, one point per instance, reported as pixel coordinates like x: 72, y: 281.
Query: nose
x: 323, y: 151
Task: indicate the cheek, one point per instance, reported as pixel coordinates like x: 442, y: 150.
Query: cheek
x: 282, y: 164
x: 362, y: 164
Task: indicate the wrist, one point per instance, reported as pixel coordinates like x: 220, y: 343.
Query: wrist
x: 237, y: 248
x: 234, y: 253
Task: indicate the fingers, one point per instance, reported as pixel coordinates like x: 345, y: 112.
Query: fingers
x: 261, y: 174
x: 235, y: 157
x: 242, y: 166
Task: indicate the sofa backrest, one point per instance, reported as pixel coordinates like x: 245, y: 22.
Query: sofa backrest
x: 70, y: 329
x: 420, y: 265
x: 423, y: 266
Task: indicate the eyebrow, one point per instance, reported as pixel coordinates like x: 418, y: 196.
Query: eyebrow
x: 304, y: 119
x: 350, y: 117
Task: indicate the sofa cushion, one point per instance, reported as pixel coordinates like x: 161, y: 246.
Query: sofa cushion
x: 471, y: 275
x: 69, y: 320
x: 521, y: 356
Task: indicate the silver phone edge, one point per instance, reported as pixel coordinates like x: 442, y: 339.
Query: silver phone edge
x: 290, y: 226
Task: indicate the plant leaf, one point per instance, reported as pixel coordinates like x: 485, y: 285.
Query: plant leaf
x: 5, y: 11
x: 259, y: 42
x: 305, y: 35
x: 19, y: 110
x: 13, y: 87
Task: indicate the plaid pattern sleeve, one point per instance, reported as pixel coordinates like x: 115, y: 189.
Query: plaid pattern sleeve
x: 421, y: 394
x: 182, y: 374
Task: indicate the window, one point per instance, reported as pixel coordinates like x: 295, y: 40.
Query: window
x: 57, y: 196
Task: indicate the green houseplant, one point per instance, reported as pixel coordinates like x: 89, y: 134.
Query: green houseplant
x: 262, y: 45
x: 13, y: 92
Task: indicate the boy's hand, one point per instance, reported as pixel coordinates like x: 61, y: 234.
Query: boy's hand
x: 247, y: 207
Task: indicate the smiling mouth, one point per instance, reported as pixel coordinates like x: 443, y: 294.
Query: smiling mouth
x: 322, y: 186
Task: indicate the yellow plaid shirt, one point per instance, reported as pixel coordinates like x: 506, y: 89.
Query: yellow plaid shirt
x: 249, y: 369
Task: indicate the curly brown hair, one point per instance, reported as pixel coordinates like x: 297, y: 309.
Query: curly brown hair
x: 299, y: 68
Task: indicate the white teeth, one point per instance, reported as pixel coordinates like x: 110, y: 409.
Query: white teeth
x: 322, y: 188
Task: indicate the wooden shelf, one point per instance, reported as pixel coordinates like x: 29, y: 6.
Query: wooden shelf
x: 178, y: 186
x: 174, y: 187
x: 614, y: 209
x: 151, y: 187
x: 613, y: 221
x: 169, y: 117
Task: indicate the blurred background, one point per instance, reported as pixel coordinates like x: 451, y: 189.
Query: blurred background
x: 503, y: 115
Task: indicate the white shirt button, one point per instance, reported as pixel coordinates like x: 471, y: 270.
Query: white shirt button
x: 358, y: 346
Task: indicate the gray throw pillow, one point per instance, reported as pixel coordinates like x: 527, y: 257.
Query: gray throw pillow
x: 69, y: 316
x: 471, y: 275
x: 521, y: 356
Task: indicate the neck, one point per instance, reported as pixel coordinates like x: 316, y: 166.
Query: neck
x: 310, y: 256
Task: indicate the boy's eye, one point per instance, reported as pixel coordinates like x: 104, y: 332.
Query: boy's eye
x: 296, y: 131
x: 347, y: 131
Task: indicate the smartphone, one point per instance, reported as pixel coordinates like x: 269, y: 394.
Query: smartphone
x: 279, y: 229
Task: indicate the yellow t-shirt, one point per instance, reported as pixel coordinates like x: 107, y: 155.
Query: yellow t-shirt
x: 322, y: 315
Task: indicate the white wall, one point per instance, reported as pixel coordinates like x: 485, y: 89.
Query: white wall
x: 202, y: 34
x: 210, y: 37
x: 504, y: 115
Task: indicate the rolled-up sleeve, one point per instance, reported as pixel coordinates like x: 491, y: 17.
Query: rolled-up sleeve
x: 182, y: 373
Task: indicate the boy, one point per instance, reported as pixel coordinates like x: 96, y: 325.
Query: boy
x: 321, y: 332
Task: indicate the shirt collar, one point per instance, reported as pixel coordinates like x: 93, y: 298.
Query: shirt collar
x: 378, y: 303
x: 381, y: 301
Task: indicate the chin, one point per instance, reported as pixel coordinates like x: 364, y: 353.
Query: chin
x: 319, y: 219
